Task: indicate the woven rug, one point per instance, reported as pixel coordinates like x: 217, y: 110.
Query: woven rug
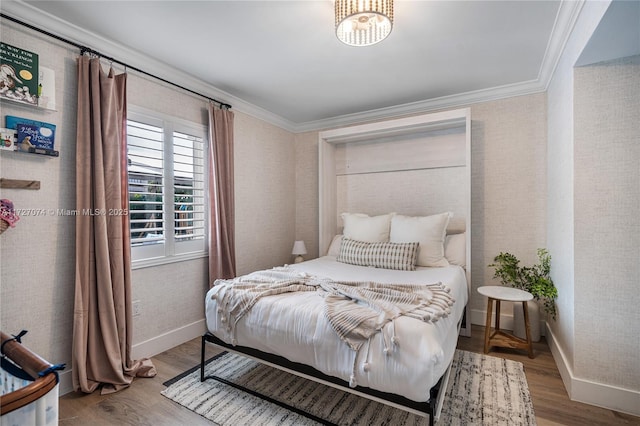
x: 482, y: 390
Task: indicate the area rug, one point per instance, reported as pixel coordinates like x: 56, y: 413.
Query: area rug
x: 482, y: 390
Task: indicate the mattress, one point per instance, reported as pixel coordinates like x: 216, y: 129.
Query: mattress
x: 293, y: 325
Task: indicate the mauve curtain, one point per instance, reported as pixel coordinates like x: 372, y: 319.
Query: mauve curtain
x: 102, y: 330
x: 222, y: 251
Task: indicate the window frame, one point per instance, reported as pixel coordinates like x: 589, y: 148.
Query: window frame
x: 170, y: 251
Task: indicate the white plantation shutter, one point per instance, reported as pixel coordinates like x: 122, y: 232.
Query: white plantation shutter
x: 188, y: 191
x: 145, y: 152
x: 166, y: 169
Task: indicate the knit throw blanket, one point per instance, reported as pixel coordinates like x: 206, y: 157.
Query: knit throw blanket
x: 355, y: 310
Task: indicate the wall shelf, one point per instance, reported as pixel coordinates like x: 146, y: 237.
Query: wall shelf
x: 19, y: 184
x: 36, y: 151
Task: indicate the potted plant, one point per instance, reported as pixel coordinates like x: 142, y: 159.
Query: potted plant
x: 535, y: 279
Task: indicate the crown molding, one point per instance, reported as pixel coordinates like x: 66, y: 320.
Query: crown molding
x: 566, y: 17
x: 47, y: 22
x: 429, y: 105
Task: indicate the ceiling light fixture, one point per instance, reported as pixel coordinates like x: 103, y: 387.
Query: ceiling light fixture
x: 363, y: 22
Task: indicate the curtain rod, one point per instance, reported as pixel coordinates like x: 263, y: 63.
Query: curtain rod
x: 85, y: 49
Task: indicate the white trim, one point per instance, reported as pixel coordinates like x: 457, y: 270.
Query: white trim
x: 38, y: 18
x: 171, y: 249
x: 590, y: 392
x: 148, y: 348
x: 65, y: 382
x: 429, y: 105
x: 168, y: 340
x: 562, y: 362
x: 164, y: 260
x: 565, y: 21
x: 605, y: 396
x: 566, y: 18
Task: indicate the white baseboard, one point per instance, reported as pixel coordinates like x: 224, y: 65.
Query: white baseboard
x: 589, y: 392
x: 168, y: 340
x: 65, y: 382
x: 564, y: 367
x: 148, y: 348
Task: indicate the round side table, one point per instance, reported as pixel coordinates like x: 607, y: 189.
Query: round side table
x: 498, y: 337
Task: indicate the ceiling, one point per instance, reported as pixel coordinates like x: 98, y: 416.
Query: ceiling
x: 281, y: 59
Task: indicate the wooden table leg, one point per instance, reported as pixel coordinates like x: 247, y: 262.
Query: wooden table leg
x: 497, y: 314
x: 487, y: 327
x: 525, y: 309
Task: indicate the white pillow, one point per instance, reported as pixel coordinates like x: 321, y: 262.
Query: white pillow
x: 370, y: 229
x: 429, y: 231
x: 334, y: 247
x: 455, y: 249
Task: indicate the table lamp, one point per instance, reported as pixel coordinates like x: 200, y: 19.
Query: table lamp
x: 298, y: 250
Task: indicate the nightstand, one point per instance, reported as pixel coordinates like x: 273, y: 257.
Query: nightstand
x: 498, y: 337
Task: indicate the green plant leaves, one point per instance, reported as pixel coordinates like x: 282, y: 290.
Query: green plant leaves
x: 535, y: 279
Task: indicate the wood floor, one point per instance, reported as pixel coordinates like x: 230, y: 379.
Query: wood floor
x: 142, y: 404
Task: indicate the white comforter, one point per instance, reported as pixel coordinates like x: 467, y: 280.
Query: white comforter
x: 293, y: 325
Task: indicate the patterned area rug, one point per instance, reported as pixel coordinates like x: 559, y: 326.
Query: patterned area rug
x: 482, y: 390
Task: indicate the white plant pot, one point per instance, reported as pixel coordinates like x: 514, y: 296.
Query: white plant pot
x: 534, y: 320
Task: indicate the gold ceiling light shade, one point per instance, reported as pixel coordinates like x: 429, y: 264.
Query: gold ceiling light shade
x: 363, y: 22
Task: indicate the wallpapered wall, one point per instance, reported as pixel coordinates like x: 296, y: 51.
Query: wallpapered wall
x: 508, y: 185
x: 522, y: 198
x: 593, y: 141
x: 276, y: 202
x: 37, y: 257
x: 607, y: 223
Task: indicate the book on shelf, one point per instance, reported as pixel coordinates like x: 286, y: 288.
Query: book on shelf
x: 8, y: 139
x: 47, y: 88
x: 19, y: 74
x: 40, y: 134
x: 33, y: 136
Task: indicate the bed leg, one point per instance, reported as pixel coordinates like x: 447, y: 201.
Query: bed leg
x: 433, y: 402
x: 432, y: 414
x: 202, y: 349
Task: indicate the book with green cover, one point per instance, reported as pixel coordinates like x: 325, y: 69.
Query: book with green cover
x: 19, y: 74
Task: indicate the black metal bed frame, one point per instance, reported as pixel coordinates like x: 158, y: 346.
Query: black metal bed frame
x: 422, y: 408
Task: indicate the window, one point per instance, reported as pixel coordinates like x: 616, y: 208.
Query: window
x: 166, y: 158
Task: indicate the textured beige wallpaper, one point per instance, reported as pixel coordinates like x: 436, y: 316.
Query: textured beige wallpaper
x: 380, y: 193
x: 178, y: 287
x: 37, y: 264
x: 607, y: 222
x: 560, y: 183
x: 307, y: 201
x: 37, y: 257
x: 508, y: 167
x: 265, y: 185
x: 508, y: 184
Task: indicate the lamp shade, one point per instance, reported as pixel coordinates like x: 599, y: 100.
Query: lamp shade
x: 363, y: 22
x: 299, y: 248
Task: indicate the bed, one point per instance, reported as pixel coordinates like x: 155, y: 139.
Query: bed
x: 383, y: 187
x: 402, y: 358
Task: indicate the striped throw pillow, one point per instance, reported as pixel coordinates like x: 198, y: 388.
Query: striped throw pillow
x: 386, y: 255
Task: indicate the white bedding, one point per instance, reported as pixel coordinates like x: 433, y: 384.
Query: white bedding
x: 293, y: 325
